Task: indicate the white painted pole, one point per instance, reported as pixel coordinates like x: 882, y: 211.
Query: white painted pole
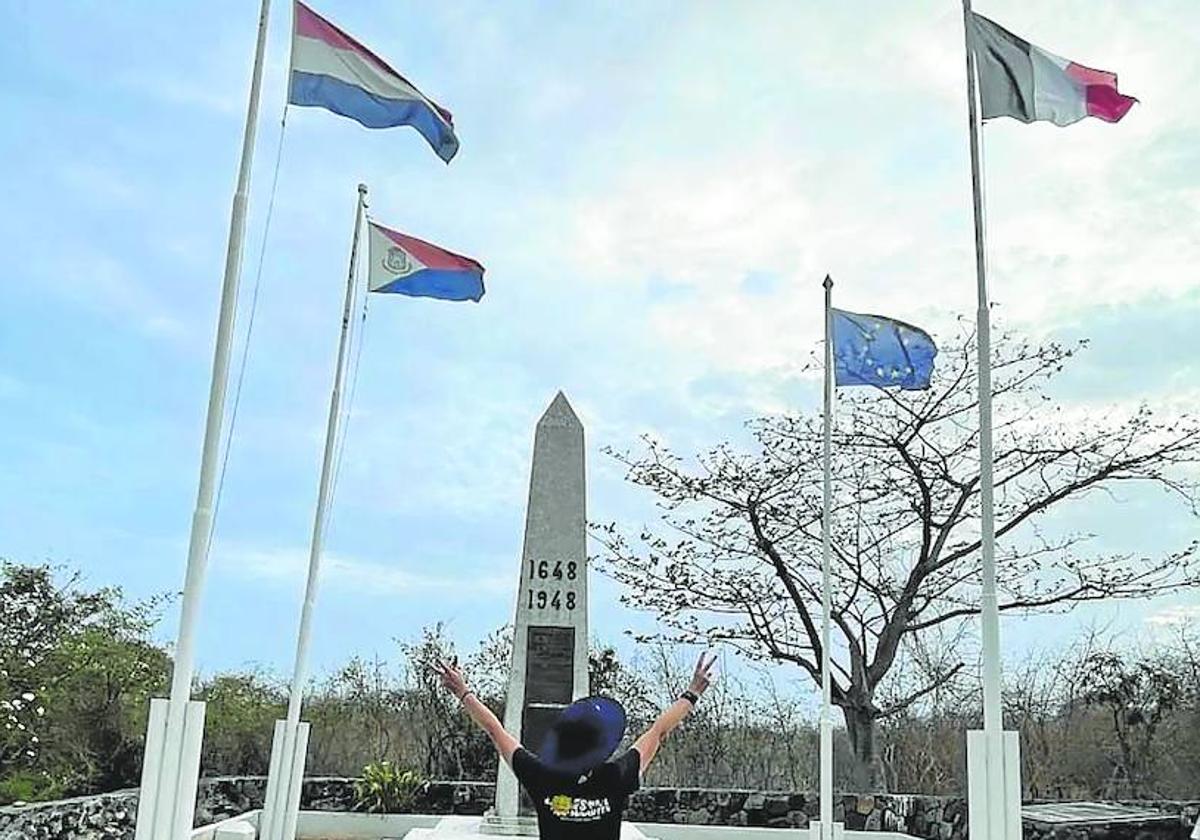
x: 169, y: 779
x: 291, y: 740
x: 826, y: 584
x: 990, y: 614
x: 181, y: 680
x: 320, y: 518
x: 997, y: 793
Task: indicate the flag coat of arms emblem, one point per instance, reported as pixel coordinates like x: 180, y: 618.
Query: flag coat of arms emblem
x: 405, y: 265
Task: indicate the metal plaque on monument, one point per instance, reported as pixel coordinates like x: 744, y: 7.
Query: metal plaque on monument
x: 550, y: 632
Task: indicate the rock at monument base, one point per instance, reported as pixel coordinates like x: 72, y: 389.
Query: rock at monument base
x: 471, y: 828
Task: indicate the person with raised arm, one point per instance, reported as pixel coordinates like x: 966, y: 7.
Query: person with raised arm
x: 577, y: 788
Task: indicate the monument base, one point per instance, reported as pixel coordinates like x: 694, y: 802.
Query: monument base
x: 461, y: 828
x: 521, y: 826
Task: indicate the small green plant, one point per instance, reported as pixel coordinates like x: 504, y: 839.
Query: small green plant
x: 385, y: 788
x: 27, y: 786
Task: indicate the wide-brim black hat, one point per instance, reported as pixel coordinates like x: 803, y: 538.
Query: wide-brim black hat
x: 584, y: 736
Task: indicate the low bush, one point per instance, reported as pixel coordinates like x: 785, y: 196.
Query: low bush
x: 385, y: 788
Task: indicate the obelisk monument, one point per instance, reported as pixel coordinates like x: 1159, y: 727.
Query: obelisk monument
x: 550, y: 632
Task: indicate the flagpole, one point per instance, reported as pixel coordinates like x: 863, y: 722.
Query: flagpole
x: 181, y: 679
x: 280, y: 822
x: 826, y: 725
x: 990, y: 614
x: 171, y: 781
x: 320, y: 519
x: 995, y: 789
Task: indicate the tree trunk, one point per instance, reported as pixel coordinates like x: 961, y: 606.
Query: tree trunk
x: 866, y: 771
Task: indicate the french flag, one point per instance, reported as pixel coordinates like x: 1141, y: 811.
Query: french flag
x: 1028, y: 83
x: 332, y: 70
x: 405, y: 265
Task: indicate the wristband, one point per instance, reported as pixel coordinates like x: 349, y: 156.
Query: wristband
x: 690, y: 696
x: 462, y: 698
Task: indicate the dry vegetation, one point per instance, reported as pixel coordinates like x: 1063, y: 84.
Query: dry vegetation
x: 77, y: 669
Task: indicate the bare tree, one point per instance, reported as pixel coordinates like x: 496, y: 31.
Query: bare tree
x: 1188, y: 641
x: 1137, y: 695
x: 924, y: 741
x: 454, y: 747
x: 1045, y: 702
x: 741, y: 736
x: 736, y: 556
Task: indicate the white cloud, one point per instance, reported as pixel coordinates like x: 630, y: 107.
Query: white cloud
x: 621, y: 187
x: 1174, y: 616
x: 1089, y: 215
x: 88, y: 182
x: 355, y: 575
x: 116, y: 290
x: 10, y: 386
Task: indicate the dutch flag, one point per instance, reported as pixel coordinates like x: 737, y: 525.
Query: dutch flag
x: 332, y: 70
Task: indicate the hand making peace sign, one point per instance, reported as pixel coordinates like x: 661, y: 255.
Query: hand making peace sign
x: 702, y: 676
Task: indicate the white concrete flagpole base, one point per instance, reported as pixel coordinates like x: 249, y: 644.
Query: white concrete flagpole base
x: 281, y: 805
x: 826, y: 762
x: 170, y: 772
x: 993, y: 785
x: 836, y: 831
x: 266, y: 818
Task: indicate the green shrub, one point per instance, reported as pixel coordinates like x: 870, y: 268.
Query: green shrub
x: 385, y: 788
x: 27, y: 786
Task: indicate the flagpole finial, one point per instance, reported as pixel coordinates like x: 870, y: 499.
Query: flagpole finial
x: 828, y: 284
x: 362, y: 189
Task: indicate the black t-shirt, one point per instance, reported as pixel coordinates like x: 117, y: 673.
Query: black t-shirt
x: 574, y: 807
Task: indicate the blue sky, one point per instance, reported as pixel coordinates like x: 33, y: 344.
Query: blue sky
x: 656, y: 190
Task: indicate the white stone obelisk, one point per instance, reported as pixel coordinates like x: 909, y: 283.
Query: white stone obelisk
x: 550, y: 634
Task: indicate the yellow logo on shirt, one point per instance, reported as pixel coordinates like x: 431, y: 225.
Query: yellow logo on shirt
x: 573, y: 809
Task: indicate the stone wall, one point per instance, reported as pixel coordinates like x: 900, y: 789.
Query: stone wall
x: 935, y: 818
x: 111, y: 816
x: 107, y: 817
x: 224, y: 797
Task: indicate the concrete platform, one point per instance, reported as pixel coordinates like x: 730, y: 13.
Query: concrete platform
x: 327, y: 825
x: 472, y: 827
x: 1052, y: 814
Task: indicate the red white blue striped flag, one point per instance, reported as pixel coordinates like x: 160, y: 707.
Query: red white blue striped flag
x: 332, y: 70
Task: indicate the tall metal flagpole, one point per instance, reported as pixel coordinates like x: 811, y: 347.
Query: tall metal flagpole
x: 168, y: 778
x: 286, y: 773
x: 996, y: 788
x: 990, y: 614
x: 826, y: 585
x: 320, y: 518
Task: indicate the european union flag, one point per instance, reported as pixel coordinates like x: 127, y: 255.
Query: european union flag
x: 873, y: 350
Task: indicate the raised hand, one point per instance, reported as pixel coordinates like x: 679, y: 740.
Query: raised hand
x: 703, y: 675
x: 451, y: 678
